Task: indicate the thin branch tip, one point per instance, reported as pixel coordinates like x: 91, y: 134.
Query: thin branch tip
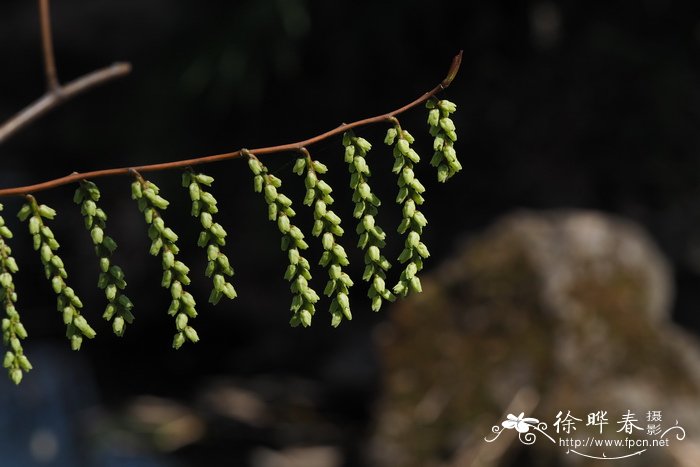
x: 121, y: 68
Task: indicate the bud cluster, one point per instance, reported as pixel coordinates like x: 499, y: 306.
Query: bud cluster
x: 298, y: 272
x: 327, y: 226
x: 111, y: 278
x: 212, y: 236
x: 67, y: 302
x: 12, y: 329
x: 163, y: 240
x: 372, y: 237
x: 410, y: 197
x: 442, y: 128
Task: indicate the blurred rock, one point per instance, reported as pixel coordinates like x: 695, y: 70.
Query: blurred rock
x: 313, y: 456
x: 544, y: 312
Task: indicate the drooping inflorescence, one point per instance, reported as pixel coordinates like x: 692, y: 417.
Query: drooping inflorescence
x: 212, y: 237
x: 163, y: 239
x: 13, y: 332
x: 327, y: 226
x: 111, y: 278
x: 372, y: 237
x: 67, y: 302
x: 442, y: 128
x: 298, y: 272
x: 410, y: 197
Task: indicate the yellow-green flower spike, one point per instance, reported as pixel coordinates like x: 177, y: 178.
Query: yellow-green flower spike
x: 13, y: 331
x: 371, y: 235
x: 442, y: 128
x: 67, y: 302
x: 212, y: 236
x: 327, y: 226
x: 410, y: 197
x: 111, y: 278
x: 298, y: 272
x: 163, y: 242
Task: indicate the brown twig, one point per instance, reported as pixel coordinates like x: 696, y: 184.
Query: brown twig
x: 47, y: 47
x: 296, y: 147
x: 55, y: 92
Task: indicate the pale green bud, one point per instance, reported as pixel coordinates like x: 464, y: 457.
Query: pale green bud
x: 191, y: 334
x: 378, y: 284
x: 47, y: 212
x: 434, y: 117
x: 390, y: 136
x: 8, y: 360
x: 270, y: 193
x: 82, y: 325
x: 255, y: 166
x: 447, y: 124
x: 24, y: 363
x: 21, y: 331
x: 5, y: 232
x: 323, y: 187
x: 283, y: 223
x: 327, y: 241
x: 363, y: 144
x: 293, y: 256
x: 16, y: 375
x: 136, y: 191
x: 5, y: 279
x: 111, y: 292
x: 447, y: 106
x: 118, y: 325
x: 109, y: 312
x: 299, y: 166
x: 97, y: 235
x: 403, y: 146
x: 181, y: 321
x: 219, y: 282
x: 178, y: 340
x: 57, y: 284
x: 176, y: 290
x: 195, y: 192
x: 206, y: 219
x: 34, y: 225
x: 258, y: 183
x: 204, y: 179
x: 319, y: 209
x: 416, y: 285
x: 373, y: 253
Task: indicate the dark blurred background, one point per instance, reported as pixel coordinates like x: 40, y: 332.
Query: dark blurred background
x: 560, y: 104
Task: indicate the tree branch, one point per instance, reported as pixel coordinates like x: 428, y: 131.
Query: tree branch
x: 47, y: 47
x: 56, y: 94
x: 53, y: 99
x: 296, y: 147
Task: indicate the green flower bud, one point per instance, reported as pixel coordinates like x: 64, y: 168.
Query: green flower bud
x: 47, y: 212
x: 118, y: 325
x: 195, y: 192
x: 270, y: 193
x: 434, y: 117
x: 255, y: 166
x: 178, y: 340
x: 16, y: 375
x: 390, y: 136
x: 206, y: 219
x: 204, y: 179
x: 299, y: 166
x: 8, y: 360
x: 181, y: 322
x: 191, y: 334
